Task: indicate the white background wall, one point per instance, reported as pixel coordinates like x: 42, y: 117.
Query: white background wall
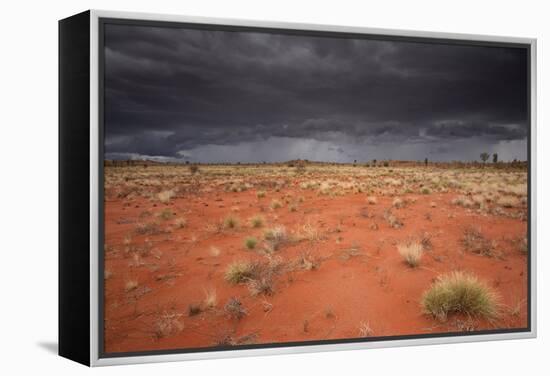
x: 28, y: 184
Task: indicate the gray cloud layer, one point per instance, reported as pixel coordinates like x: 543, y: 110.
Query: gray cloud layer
x: 220, y: 95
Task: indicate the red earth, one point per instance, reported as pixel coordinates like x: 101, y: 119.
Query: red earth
x: 369, y: 287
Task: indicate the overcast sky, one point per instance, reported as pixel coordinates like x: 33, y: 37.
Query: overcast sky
x: 219, y: 96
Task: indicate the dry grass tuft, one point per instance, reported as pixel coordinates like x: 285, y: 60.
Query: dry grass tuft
x: 365, y: 329
x: 180, y: 222
x: 210, y: 298
x: 262, y: 284
x: 130, y: 285
x: 463, y: 293
x: 411, y: 253
x: 311, y: 232
x: 398, y: 203
x: 275, y: 237
x: 392, y: 220
x: 308, y: 261
x: 240, y: 272
x: 165, y: 196
x: 214, y: 251
x: 231, y: 222
x: 372, y: 200
x: 275, y: 204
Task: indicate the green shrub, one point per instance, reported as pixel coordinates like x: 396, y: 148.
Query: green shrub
x: 459, y: 292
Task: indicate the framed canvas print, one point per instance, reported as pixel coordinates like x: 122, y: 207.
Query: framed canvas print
x: 233, y: 188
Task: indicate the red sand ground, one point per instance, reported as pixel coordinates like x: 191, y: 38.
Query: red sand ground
x: 375, y: 287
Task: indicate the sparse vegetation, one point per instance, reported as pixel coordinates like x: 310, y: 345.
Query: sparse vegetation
x: 183, y: 239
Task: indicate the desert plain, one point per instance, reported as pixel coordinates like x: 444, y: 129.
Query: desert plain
x: 206, y: 256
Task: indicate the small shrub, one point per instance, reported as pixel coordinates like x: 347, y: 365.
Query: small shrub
x: 459, y: 292
x: 239, y: 272
x: 231, y: 222
x: 275, y: 237
x: 263, y: 284
x: 372, y: 200
x: 393, y: 221
x: 425, y: 191
x: 235, y: 309
x: 168, y: 324
x: 260, y: 194
x: 411, y: 253
x: 193, y: 169
x: 276, y: 204
x: 257, y: 221
x: 475, y: 242
x: 292, y: 207
x: 250, y: 242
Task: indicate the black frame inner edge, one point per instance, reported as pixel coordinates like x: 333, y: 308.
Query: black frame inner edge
x: 315, y: 33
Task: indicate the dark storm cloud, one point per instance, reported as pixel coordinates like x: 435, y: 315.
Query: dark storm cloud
x: 174, y: 92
